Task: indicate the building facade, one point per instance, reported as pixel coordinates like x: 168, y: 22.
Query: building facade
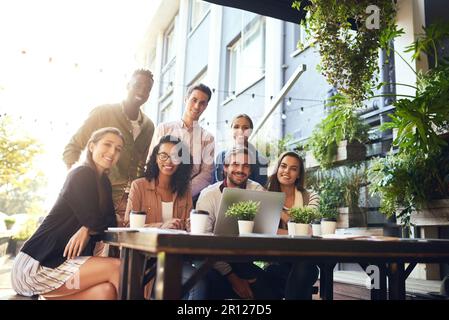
x: 246, y: 59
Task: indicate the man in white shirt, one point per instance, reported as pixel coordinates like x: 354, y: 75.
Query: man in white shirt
x: 235, y: 280
x: 199, y: 141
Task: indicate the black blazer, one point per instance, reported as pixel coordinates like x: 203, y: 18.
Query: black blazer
x: 76, y: 206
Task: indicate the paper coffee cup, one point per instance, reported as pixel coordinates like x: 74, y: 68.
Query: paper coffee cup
x: 137, y: 219
x: 198, y: 221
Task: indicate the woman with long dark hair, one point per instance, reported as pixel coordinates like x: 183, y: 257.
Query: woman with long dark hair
x: 289, y: 177
x: 164, y: 191
x: 164, y: 194
x: 57, y: 262
x: 292, y: 280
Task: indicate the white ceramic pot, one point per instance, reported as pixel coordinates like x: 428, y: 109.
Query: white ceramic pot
x: 301, y: 229
x: 245, y: 227
x: 328, y: 227
x: 291, y: 228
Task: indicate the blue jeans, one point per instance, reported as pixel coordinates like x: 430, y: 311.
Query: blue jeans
x: 198, y: 292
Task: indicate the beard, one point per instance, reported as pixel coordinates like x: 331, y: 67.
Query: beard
x: 238, y: 184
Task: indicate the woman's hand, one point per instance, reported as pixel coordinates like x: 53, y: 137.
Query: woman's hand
x: 174, y: 223
x: 241, y: 286
x: 285, y: 218
x: 77, y: 243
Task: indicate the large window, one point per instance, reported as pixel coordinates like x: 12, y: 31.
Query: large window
x: 198, y: 10
x: 246, y: 56
x: 168, y: 61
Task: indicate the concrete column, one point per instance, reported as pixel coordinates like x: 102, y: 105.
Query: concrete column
x: 411, y: 18
x: 273, y: 76
x: 152, y: 107
x: 213, y: 66
x: 181, y: 32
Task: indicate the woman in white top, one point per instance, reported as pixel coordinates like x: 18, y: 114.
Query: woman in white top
x: 292, y: 280
x: 164, y: 195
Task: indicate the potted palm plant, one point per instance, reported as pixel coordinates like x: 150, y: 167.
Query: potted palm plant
x: 330, y: 199
x: 244, y: 212
x: 350, y: 214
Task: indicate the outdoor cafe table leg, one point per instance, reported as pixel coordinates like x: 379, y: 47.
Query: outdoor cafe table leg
x: 123, y: 285
x: 136, y: 270
x: 396, y: 281
x: 380, y: 292
x: 169, y: 276
x: 378, y: 276
x: 327, y: 281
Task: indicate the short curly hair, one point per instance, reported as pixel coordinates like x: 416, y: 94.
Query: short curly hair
x: 144, y: 72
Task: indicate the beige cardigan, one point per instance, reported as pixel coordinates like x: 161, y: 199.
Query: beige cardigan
x: 143, y: 196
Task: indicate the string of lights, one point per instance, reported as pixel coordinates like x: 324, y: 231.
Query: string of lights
x: 168, y: 85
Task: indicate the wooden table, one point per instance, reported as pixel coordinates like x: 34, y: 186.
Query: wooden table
x: 171, y: 249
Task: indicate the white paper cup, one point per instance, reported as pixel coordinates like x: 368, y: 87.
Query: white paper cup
x: 137, y: 219
x: 245, y: 227
x: 291, y: 228
x: 316, y: 229
x: 198, y: 221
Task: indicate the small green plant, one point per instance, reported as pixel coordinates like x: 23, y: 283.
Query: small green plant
x: 244, y: 210
x: 303, y: 215
x: 9, y: 222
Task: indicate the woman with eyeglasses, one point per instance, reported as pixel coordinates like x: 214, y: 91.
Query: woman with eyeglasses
x: 164, y: 191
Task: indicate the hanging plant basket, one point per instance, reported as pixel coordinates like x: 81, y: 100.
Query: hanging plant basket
x: 347, y: 152
x: 349, y: 35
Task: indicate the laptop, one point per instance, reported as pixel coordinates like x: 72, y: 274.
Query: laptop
x: 266, y: 220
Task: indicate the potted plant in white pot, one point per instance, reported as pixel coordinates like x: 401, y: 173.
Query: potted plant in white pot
x: 9, y: 222
x: 302, y: 217
x: 244, y: 212
x: 330, y: 199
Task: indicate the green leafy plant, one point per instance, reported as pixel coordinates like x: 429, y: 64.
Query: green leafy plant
x: 9, y: 222
x: 340, y: 124
x: 419, y: 171
x: 330, y: 197
x: 351, y: 180
x: 303, y: 215
x: 244, y: 210
x: 349, y: 58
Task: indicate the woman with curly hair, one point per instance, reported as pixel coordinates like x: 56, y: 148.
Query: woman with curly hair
x: 164, y: 191
x: 164, y: 194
